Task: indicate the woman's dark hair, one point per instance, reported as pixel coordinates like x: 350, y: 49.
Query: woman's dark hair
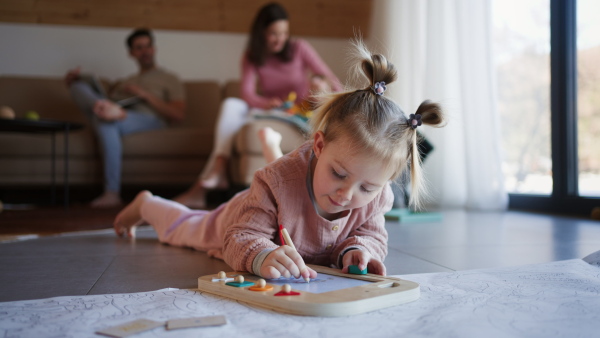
x: 138, y: 33
x: 257, y: 47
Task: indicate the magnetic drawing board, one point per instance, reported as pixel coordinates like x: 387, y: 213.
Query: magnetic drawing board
x: 323, y: 283
x: 332, y: 294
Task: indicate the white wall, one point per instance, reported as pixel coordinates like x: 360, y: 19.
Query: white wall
x: 50, y: 50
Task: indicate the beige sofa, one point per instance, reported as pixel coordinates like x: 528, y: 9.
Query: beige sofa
x: 175, y: 155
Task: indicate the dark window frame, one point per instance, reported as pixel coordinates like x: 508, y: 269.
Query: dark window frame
x: 563, y: 102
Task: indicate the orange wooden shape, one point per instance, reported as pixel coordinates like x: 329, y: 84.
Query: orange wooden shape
x: 257, y: 288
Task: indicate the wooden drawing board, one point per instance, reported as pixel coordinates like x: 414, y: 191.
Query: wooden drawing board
x: 358, y: 294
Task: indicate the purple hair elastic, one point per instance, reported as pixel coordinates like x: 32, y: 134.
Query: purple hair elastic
x: 414, y: 120
x: 379, y: 88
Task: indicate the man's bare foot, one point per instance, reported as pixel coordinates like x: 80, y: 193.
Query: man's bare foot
x: 194, y: 197
x: 108, y: 199
x: 270, y: 141
x: 109, y: 111
x: 130, y: 217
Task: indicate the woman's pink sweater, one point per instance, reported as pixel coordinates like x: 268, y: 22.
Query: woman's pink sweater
x: 276, y: 78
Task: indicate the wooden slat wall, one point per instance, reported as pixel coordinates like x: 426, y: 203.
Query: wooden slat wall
x: 318, y: 18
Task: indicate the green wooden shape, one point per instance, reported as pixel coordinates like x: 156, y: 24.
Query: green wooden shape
x: 353, y: 269
x: 240, y: 285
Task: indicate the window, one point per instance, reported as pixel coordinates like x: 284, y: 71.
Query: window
x: 588, y: 97
x: 548, y: 79
x: 522, y: 60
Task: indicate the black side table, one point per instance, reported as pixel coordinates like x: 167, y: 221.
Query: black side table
x: 46, y: 126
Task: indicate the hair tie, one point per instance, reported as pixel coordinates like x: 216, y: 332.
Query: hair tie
x: 379, y: 88
x: 414, y: 120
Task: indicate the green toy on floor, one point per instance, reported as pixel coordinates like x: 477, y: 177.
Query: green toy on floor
x: 400, y: 210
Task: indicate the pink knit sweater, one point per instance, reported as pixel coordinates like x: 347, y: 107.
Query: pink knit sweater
x: 277, y: 78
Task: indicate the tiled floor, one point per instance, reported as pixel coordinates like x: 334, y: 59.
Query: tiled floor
x: 100, y: 263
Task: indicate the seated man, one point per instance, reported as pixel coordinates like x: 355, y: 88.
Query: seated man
x: 155, y: 97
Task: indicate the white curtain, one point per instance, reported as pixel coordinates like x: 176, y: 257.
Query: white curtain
x: 442, y: 49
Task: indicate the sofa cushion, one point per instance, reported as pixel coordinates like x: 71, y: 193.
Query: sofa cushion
x: 232, y: 89
x: 203, y: 99
x: 169, y: 142
x: 153, y: 170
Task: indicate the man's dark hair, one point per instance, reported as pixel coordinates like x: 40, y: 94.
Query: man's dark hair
x: 138, y: 33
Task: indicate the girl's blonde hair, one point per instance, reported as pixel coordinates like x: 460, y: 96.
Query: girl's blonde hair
x: 374, y: 124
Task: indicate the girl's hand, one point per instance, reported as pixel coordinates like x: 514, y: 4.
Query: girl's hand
x: 364, y: 260
x: 285, y: 261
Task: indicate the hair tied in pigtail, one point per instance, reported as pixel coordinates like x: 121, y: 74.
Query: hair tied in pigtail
x: 414, y: 120
x: 379, y: 88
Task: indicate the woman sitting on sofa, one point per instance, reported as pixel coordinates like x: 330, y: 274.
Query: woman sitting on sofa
x: 273, y: 66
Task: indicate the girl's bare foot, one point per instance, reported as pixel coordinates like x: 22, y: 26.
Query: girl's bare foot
x: 108, y: 199
x: 109, y: 111
x: 270, y: 141
x: 194, y: 197
x: 130, y: 217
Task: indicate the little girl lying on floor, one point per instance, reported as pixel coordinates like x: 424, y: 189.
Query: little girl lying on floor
x: 331, y: 193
